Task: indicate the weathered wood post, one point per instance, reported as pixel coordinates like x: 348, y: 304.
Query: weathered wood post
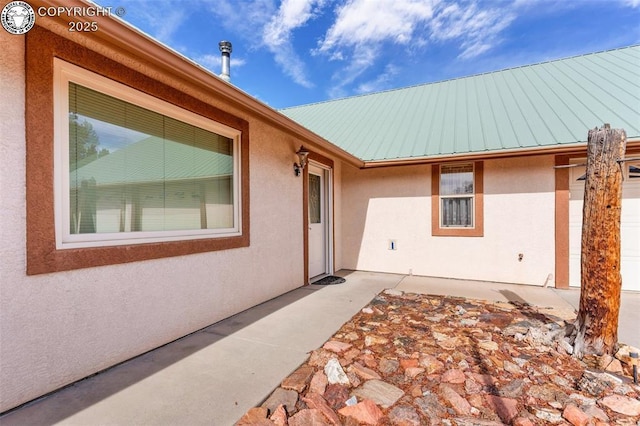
x: 600, y: 279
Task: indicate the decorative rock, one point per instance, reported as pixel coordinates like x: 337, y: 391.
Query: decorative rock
x: 575, y: 416
x: 299, y: 379
x: 522, y: 421
x: 546, y: 414
x: 457, y: 402
x: 382, y: 393
x: 335, y: 373
x: 336, y: 395
x: 505, y: 408
x: 313, y: 400
x: 430, y: 406
x: 279, y: 416
x: 615, y: 366
x: 596, y: 412
x: 318, y: 383
x: 488, y: 345
x: 364, y: 372
x: 372, y: 339
x: 431, y: 364
x: 453, y: 376
x: 310, y: 417
x: 320, y: 357
x: 512, y: 367
x: 413, y: 372
x: 622, y: 404
x: 512, y: 389
x: 388, y: 366
x: 404, y: 416
x: 280, y: 396
x: 255, y: 417
x: 472, y: 421
x: 472, y: 387
x: 366, y: 412
x: 336, y: 346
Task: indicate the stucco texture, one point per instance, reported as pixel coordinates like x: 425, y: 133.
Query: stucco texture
x: 57, y: 328
x: 394, y: 203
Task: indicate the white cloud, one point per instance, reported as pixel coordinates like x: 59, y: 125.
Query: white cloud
x: 366, y: 23
x: 476, y: 29
x: 363, y: 28
x: 278, y: 32
x: 382, y: 82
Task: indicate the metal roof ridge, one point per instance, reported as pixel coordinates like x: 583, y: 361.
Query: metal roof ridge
x: 413, y: 86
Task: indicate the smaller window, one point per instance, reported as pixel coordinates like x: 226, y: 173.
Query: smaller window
x: 634, y: 171
x: 456, y: 196
x: 457, y: 200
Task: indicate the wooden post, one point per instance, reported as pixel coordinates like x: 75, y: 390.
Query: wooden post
x: 600, y: 279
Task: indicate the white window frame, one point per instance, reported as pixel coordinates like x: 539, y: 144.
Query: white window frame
x: 472, y: 196
x: 63, y: 74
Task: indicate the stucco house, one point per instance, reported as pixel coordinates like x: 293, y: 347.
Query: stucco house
x: 144, y: 198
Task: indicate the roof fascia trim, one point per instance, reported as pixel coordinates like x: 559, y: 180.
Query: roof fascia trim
x: 572, y: 149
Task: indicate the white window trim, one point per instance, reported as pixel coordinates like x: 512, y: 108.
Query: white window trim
x: 472, y: 196
x: 63, y: 74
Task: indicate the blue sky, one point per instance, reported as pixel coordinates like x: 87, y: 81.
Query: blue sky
x: 295, y: 52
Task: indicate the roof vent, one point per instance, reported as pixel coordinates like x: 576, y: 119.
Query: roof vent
x: 225, y: 49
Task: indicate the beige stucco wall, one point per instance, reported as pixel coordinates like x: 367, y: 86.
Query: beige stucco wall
x: 395, y: 203
x: 60, y: 327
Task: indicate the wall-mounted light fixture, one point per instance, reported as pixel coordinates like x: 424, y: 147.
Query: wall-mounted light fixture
x: 302, y: 155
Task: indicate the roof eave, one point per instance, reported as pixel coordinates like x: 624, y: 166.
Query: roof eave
x: 568, y: 149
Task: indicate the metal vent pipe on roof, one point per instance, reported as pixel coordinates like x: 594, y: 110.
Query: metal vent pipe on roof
x: 225, y: 49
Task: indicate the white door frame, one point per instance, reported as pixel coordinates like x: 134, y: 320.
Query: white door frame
x: 328, y: 223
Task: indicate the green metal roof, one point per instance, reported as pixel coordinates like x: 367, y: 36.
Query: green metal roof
x: 534, y: 106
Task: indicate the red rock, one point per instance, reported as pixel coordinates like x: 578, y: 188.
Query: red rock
x: 336, y: 346
x: 318, y: 383
x: 298, y: 380
x: 622, y: 404
x: 309, y: 417
x: 431, y: 364
x: 336, y: 395
x: 522, y: 421
x: 453, y: 376
x: 366, y: 412
x: 457, y: 402
x: 505, y: 408
x: 364, y: 372
x: 416, y: 391
x: 388, y: 366
x: 413, y: 372
x: 575, y: 416
x: 369, y: 360
x: 404, y: 416
x: 279, y: 416
x: 408, y: 363
x: 255, y: 417
x: 313, y: 400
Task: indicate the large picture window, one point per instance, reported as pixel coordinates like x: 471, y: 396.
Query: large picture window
x: 457, y: 199
x: 131, y: 168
